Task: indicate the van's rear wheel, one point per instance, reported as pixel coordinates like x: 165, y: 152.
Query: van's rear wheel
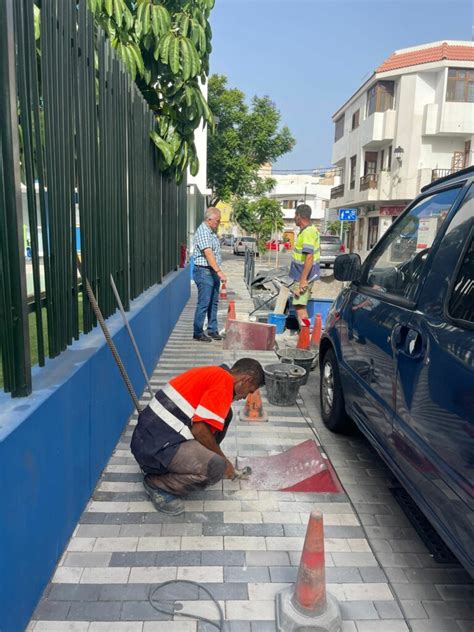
x: 333, y: 408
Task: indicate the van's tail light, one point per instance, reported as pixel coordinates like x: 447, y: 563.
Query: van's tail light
x: 342, y: 248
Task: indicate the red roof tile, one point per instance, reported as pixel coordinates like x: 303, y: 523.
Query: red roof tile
x: 456, y: 52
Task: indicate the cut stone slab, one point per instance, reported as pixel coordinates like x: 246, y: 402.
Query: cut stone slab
x: 247, y: 335
x: 302, y: 468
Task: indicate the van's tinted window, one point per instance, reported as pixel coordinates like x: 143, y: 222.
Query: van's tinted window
x: 398, y: 264
x: 461, y: 304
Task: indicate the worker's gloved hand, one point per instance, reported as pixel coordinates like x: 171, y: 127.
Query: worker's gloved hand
x: 243, y: 474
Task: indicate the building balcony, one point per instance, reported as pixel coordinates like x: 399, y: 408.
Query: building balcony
x: 337, y: 192
x: 378, y: 128
x: 369, y: 181
x: 436, y: 174
x: 448, y: 119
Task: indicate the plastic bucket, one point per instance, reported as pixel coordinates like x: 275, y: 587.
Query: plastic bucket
x: 283, y: 382
x: 302, y: 357
x: 278, y: 320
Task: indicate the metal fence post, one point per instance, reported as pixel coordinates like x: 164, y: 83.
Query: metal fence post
x: 13, y: 303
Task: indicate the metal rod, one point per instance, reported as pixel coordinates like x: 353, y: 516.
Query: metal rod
x: 108, y: 339
x: 130, y: 333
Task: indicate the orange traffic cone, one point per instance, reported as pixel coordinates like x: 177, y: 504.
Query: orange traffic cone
x: 223, y: 292
x: 308, y: 606
x: 303, y: 338
x: 316, y: 335
x: 231, y: 315
x: 253, y: 410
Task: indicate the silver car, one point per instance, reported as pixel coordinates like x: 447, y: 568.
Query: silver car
x: 241, y: 244
x: 331, y: 247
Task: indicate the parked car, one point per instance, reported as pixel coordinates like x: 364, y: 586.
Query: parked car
x: 227, y: 240
x: 280, y: 244
x: 397, y: 354
x: 331, y: 247
x: 243, y: 243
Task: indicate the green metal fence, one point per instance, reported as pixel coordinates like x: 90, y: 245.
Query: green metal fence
x: 74, y: 137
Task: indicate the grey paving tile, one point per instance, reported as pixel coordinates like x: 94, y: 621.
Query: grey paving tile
x: 263, y: 626
x: 296, y: 530
x: 91, y: 517
x: 74, y: 592
x: 415, y: 591
x: 98, y: 531
x: 123, y: 592
x: 413, y: 609
x: 267, y: 558
x: 400, y: 560
x: 146, y: 558
x: 351, y: 610
x: 178, y: 558
x: 229, y: 626
x: 142, y: 611
x: 222, y: 558
x: 449, y: 609
x: 433, y: 625
x: 222, y: 529
x: 95, y: 611
x: 343, y: 575
x: 246, y: 574
x: 263, y: 529
x: 226, y: 591
x: 388, y: 610
x: 456, y: 592
x: 93, y: 559
x: 283, y: 574
x: 181, y: 529
x: 49, y: 610
x: 207, y: 517
x: 466, y: 626
x: 372, y: 574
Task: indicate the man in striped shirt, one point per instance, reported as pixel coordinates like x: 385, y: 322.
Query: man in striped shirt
x: 207, y: 276
x: 177, y: 438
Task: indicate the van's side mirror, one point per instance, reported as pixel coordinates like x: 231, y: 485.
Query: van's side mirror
x: 347, y: 267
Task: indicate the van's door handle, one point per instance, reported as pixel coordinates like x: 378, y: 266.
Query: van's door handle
x: 407, y: 340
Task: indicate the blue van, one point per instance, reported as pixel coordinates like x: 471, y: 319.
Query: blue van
x: 397, y: 355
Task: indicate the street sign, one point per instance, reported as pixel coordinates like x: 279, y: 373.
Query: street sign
x: 347, y: 214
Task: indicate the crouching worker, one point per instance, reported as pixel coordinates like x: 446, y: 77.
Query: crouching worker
x: 177, y: 437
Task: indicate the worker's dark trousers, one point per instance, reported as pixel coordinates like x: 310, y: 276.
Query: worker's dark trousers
x: 193, y: 466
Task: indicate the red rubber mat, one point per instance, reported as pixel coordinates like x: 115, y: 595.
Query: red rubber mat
x: 302, y: 468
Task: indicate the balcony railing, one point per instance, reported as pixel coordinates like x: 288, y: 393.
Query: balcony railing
x: 441, y: 173
x: 337, y: 192
x: 369, y: 181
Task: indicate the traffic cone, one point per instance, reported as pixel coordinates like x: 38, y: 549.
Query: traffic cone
x: 223, y: 292
x: 231, y: 315
x: 309, y: 605
x: 316, y: 335
x: 303, y: 339
x: 253, y: 410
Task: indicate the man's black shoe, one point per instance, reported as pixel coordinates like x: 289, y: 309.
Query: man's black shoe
x: 214, y: 335
x: 202, y: 338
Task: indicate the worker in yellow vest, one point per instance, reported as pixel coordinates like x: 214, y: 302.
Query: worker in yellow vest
x: 304, y: 269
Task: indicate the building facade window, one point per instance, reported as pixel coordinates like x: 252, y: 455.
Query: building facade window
x: 370, y: 163
x: 460, y: 85
x: 373, y: 232
x: 389, y: 158
x: 382, y: 160
x: 339, y: 128
x: 380, y: 97
x: 288, y: 203
x: 355, y: 119
x: 353, y: 172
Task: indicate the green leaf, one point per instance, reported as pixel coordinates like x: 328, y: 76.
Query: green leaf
x: 138, y: 59
x: 174, y: 55
x: 184, y: 25
x: 194, y: 165
x: 165, y: 48
x: 118, y: 11
x: 109, y: 7
x: 164, y: 148
x: 145, y: 18
x: 185, y: 58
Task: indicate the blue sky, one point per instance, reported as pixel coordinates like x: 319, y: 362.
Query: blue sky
x: 309, y: 56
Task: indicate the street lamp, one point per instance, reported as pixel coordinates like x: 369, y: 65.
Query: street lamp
x: 398, y: 153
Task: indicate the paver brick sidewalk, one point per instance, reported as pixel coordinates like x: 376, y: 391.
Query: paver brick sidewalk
x: 242, y: 544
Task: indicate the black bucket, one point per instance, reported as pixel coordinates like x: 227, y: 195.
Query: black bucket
x: 302, y: 357
x: 283, y: 382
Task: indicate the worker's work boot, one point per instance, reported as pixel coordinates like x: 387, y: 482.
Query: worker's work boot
x: 163, y: 501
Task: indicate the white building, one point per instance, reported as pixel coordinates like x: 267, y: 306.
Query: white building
x: 410, y: 123
x: 292, y: 189
x: 197, y: 185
